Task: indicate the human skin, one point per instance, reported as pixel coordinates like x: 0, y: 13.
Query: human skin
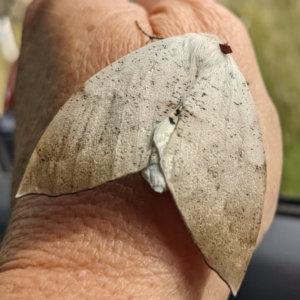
x: 120, y: 240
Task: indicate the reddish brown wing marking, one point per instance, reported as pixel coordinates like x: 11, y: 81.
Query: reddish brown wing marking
x: 225, y: 48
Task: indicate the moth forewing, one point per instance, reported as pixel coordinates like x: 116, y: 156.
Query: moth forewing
x: 214, y: 165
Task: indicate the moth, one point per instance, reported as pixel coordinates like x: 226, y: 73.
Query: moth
x: 180, y: 111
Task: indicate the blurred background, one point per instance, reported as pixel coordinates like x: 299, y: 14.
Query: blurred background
x: 274, y: 27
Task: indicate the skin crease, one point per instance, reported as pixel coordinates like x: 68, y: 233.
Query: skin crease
x: 121, y: 240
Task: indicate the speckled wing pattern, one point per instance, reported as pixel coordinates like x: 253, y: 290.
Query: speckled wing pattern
x: 214, y: 166
x: 213, y: 162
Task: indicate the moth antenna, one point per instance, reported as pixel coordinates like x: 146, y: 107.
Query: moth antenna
x: 151, y: 37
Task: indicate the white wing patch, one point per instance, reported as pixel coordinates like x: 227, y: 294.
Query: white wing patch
x: 181, y: 111
x: 153, y: 172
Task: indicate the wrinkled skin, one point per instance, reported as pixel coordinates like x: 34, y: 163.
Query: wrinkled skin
x: 121, y: 240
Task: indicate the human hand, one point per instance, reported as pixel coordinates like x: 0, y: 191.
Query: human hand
x: 120, y: 240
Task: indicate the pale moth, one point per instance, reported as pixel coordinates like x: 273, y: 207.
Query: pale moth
x: 180, y: 110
